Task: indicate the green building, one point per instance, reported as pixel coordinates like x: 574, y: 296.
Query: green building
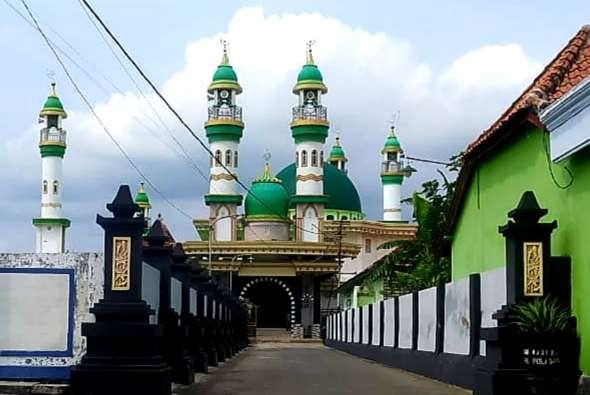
x: 539, y: 144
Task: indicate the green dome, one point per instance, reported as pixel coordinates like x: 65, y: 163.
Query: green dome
x: 337, y: 152
x: 392, y: 143
x: 342, y: 194
x: 310, y: 72
x: 53, y: 105
x: 142, y: 199
x: 225, y: 72
x: 267, y: 198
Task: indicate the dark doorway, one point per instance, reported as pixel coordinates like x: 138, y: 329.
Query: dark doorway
x: 273, y: 304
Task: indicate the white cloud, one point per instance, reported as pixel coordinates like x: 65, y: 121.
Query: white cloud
x: 369, y: 76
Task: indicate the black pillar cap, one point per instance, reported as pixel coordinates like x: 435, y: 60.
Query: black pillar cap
x: 123, y: 205
x: 528, y: 210
x: 156, y: 236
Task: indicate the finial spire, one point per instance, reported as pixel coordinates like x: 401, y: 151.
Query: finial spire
x: 52, y: 91
x: 224, y: 57
x: 141, y: 187
x: 309, y: 59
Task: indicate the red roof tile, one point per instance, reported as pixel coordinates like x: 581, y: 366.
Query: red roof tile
x: 570, y: 67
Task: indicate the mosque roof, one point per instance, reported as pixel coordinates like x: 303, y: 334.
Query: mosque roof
x: 53, y: 105
x: 267, y: 198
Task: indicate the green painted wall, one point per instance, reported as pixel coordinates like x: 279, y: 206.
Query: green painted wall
x: 496, y: 188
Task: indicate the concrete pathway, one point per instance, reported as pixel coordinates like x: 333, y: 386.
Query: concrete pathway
x: 309, y: 369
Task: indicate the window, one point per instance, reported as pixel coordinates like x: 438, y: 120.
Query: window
x: 296, y: 159
x: 391, y: 156
x: 217, y: 158
x: 330, y: 217
x: 303, y: 158
x: 344, y: 218
x: 55, y: 187
x: 235, y: 158
x: 44, y: 186
x: 368, y: 246
x: 321, y: 157
x: 314, y: 158
x: 228, y: 158
x: 52, y: 121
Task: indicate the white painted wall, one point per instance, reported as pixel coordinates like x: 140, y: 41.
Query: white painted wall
x: 150, y: 289
x: 457, y: 324
x: 427, y: 319
x: 223, y: 225
x: 493, y: 296
x: 310, y: 225
x: 350, y: 267
x: 392, y: 201
x: 309, y: 187
x: 175, y: 295
x: 193, y: 301
x: 389, y: 322
x: 49, y: 239
x: 266, y: 231
x: 365, y: 324
x: 51, y: 170
x: 89, y: 277
x: 349, y: 326
x: 405, y: 321
x: 376, y: 339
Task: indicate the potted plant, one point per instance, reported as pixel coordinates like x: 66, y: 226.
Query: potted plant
x: 548, y: 346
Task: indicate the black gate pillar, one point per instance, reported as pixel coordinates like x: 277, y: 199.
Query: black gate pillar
x: 123, y: 350
x: 197, y: 328
x: 531, y: 272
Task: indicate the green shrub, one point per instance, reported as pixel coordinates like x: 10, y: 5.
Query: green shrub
x: 543, y: 316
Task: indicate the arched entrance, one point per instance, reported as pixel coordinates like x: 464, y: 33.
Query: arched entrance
x: 275, y: 301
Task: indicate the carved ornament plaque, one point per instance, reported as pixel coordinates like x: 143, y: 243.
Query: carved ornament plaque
x: 121, y: 263
x: 533, y: 269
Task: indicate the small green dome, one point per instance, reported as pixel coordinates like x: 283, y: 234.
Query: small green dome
x: 341, y: 192
x: 267, y: 198
x: 226, y: 73
x: 142, y: 199
x: 310, y: 72
x: 337, y: 152
x: 392, y: 143
x: 53, y: 105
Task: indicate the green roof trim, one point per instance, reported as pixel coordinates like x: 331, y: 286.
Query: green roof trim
x: 224, y: 132
x: 341, y: 192
x: 52, y: 221
x: 52, y: 150
x: 302, y: 133
x: 232, y: 199
x: 337, y: 152
x: 53, y: 105
x: 320, y: 199
x: 392, y: 143
x: 391, y: 179
x: 225, y: 72
x: 141, y: 198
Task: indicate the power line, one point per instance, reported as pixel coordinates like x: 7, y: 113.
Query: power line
x: 99, y: 120
x: 177, y: 115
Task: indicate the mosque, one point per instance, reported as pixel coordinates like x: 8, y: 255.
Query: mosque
x: 302, y: 231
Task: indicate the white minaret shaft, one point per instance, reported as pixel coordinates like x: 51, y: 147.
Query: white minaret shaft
x: 51, y: 225
x: 393, y: 172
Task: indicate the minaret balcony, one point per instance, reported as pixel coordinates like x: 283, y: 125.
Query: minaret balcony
x: 222, y: 113
x: 52, y: 136
x: 310, y: 113
x: 396, y: 168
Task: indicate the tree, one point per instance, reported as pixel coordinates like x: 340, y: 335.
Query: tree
x: 425, y: 261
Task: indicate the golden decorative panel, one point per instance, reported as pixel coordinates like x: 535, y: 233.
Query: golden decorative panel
x: 533, y: 269
x: 309, y: 177
x: 221, y: 176
x: 121, y: 264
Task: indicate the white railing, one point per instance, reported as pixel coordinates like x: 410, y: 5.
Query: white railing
x: 52, y: 135
x: 310, y: 112
x: 225, y: 112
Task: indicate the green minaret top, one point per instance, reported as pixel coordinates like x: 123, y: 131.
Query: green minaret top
x: 53, y: 105
x: 392, y: 143
x: 225, y: 77
x: 310, y: 76
x: 142, y: 199
x: 337, y: 153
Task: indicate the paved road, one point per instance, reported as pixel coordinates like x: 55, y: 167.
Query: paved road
x: 299, y: 369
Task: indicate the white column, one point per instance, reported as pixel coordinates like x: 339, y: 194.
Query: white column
x: 392, y: 202
x: 51, y: 186
x: 309, y: 178
x: 220, y: 182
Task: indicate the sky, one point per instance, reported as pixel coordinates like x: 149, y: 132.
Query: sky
x: 449, y: 68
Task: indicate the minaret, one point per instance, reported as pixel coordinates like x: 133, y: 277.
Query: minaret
x: 51, y: 225
x: 224, y: 129
x: 143, y: 202
x: 309, y: 129
x: 337, y: 157
x: 392, y: 176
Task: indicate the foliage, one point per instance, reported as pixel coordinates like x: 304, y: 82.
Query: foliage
x: 543, y: 316
x: 425, y: 261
